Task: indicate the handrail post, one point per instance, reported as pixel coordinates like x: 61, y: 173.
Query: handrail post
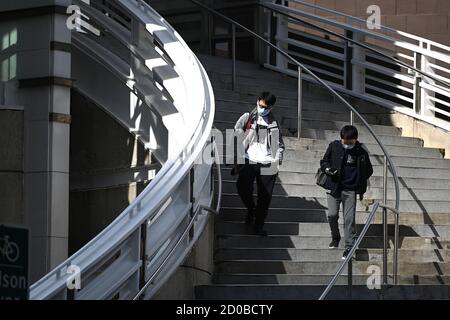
x: 426, y: 96
x: 299, y: 103
x: 417, y: 81
x: 191, y: 199
x: 396, y: 241
x: 233, y: 56
x: 385, y: 223
x: 142, y: 275
x: 350, y: 278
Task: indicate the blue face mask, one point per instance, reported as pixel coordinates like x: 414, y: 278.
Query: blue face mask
x: 263, y: 111
x: 348, y: 146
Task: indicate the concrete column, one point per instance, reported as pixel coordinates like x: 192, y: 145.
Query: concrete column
x: 426, y: 95
x: 40, y: 61
x: 358, y: 71
x: 281, y: 33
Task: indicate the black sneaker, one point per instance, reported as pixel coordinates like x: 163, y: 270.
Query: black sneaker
x: 250, y: 216
x: 345, y: 254
x: 260, y: 231
x: 334, y: 243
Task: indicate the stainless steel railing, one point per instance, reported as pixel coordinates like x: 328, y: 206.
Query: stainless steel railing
x: 392, y: 68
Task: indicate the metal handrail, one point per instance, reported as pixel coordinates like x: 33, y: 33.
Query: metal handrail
x: 349, y: 257
x: 387, y: 159
x: 352, y: 251
x: 398, y: 62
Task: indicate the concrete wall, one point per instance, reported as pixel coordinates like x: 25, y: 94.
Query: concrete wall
x: 104, y: 160
x: 196, y: 269
x: 433, y: 137
x: 11, y: 167
x: 427, y: 18
x: 42, y: 72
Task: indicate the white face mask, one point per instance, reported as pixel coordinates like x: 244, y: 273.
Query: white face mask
x: 348, y: 146
x: 262, y: 111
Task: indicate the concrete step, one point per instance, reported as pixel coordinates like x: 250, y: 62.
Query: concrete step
x: 223, y: 66
x: 312, y: 99
x: 282, y: 87
x: 314, y: 279
x: 402, y: 171
x: 323, y: 125
x: 241, y: 101
x: 227, y: 100
x: 321, y: 145
x: 314, y: 255
x: 311, y: 191
x: 281, y: 202
x: 297, y: 178
x: 319, y: 215
x: 285, y: 107
x: 399, y: 161
x: 298, y: 168
x: 325, y: 267
x: 330, y: 135
x: 314, y: 191
x: 248, y: 81
x: 290, y: 121
x: 321, y: 242
x: 323, y: 229
x: 313, y: 292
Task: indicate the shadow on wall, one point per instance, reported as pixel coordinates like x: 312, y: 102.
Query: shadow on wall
x: 100, y: 148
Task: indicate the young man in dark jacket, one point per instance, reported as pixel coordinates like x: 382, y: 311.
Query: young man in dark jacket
x: 348, y: 164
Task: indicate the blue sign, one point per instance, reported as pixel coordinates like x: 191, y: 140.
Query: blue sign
x: 13, y: 263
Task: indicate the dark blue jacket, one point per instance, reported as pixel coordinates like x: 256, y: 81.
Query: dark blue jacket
x: 334, y: 157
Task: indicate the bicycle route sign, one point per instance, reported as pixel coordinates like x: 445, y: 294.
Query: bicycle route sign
x: 13, y: 263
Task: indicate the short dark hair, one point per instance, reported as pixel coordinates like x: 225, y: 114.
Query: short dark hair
x: 349, y: 132
x: 268, y: 97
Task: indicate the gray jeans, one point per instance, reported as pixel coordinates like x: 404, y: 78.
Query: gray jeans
x: 348, y: 199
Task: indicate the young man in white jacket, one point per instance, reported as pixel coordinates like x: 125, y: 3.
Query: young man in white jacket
x: 262, y: 142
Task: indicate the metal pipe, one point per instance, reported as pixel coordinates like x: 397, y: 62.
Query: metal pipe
x: 352, y: 116
x: 233, y: 56
x: 385, y: 223
x: 396, y: 241
x: 219, y: 176
x: 350, y: 279
x: 299, y: 103
x: 396, y: 238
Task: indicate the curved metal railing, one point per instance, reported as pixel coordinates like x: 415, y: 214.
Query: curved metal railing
x: 134, y: 255
x: 387, y: 164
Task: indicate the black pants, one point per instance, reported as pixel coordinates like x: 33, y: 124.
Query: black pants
x: 265, y: 184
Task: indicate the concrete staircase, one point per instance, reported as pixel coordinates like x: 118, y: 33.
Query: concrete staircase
x: 294, y: 261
